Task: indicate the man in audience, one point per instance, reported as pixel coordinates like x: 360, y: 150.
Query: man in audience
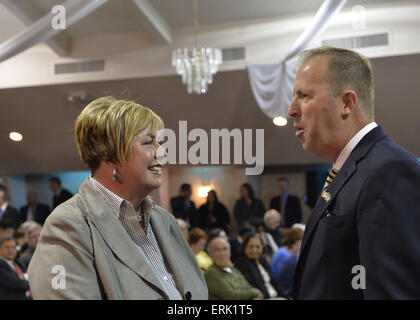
x: 33, y: 235
x: 34, y: 211
x: 9, y: 216
x: 224, y: 281
x: 272, y: 221
x: 60, y: 194
x: 13, y: 285
x: 369, y: 205
x: 183, y: 207
x: 287, y: 204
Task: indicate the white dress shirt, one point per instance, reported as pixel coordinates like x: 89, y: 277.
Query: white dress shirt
x: 344, y: 154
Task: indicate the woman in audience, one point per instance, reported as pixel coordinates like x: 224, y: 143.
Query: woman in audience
x: 197, y: 239
x: 111, y: 241
x: 256, y: 269
x: 213, y: 214
x: 248, y: 209
x: 290, y: 246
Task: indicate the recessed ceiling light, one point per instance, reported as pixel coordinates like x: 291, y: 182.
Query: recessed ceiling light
x: 15, y: 136
x: 280, y: 121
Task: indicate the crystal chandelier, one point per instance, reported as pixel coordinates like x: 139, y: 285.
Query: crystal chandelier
x: 197, y: 65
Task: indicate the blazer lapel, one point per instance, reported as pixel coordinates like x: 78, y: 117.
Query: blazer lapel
x: 162, y: 230
x: 115, y: 236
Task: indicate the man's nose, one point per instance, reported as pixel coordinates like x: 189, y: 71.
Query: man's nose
x: 292, y: 111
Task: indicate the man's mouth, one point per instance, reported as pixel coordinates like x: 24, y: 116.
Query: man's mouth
x: 155, y: 169
x: 299, y: 131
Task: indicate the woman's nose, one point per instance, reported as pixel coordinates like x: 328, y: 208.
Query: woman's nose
x: 161, y: 155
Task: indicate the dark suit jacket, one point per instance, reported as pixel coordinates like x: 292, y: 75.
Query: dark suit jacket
x: 10, y: 217
x: 245, y: 214
x: 293, y: 209
x: 184, y: 208
x: 372, y: 219
x: 251, y: 273
x: 62, y: 197
x: 42, y: 211
x: 11, y: 286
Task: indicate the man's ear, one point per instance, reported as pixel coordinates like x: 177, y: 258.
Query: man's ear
x: 349, y: 98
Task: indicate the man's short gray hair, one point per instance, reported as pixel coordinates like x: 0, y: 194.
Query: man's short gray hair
x: 346, y: 69
x: 216, y: 239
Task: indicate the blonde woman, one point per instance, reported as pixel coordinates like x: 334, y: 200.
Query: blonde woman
x: 110, y: 241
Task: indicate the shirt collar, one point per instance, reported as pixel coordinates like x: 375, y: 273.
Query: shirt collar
x: 9, y: 262
x: 117, y: 203
x: 344, y: 154
x: 4, y: 206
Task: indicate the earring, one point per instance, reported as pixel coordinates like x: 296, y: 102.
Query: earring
x: 114, y: 174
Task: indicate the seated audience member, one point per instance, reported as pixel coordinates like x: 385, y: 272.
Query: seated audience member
x: 13, y: 285
x: 183, y: 207
x: 224, y: 281
x: 256, y: 269
x: 32, y: 235
x: 60, y: 194
x: 184, y: 227
x: 197, y: 239
x: 287, y: 273
x: 217, y: 232
x: 6, y: 231
x: 287, y: 204
x: 248, y: 209
x: 9, y: 216
x: 272, y: 220
x: 213, y: 214
x: 34, y: 211
x: 236, y: 242
x: 269, y: 245
x: 291, y: 245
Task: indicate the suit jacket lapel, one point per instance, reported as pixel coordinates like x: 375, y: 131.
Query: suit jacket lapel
x: 115, y: 236
x: 349, y: 167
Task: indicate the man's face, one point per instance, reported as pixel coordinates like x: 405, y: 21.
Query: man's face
x: 54, y: 186
x: 2, y: 197
x: 282, y: 184
x: 273, y: 221
x: 30, y: 199
x: 8, y: 250
x: 316, y: 111
x: 220, y: 253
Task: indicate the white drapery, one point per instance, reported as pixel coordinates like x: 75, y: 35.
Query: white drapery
x: 42, y: 29
x: 272, y: 84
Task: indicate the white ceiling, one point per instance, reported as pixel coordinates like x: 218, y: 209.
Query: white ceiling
x: 45, y: 117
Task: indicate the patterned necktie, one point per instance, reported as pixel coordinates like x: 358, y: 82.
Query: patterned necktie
x: 331, y: 175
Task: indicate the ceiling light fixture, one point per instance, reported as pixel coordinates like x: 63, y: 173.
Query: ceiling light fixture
x: 15, y: 136
x: 197, y: 65
x: 280, y: 121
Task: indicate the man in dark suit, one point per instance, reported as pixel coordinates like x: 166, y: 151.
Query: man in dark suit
x: 183, y: 207
x: 34, y: 211
x: 9, y: 216
x: 362, y: 238
x: 60, y: 194
x: 13, y: 285
x: 287, y: 204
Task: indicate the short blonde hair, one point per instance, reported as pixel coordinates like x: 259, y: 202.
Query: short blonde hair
x: 105, y: 128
